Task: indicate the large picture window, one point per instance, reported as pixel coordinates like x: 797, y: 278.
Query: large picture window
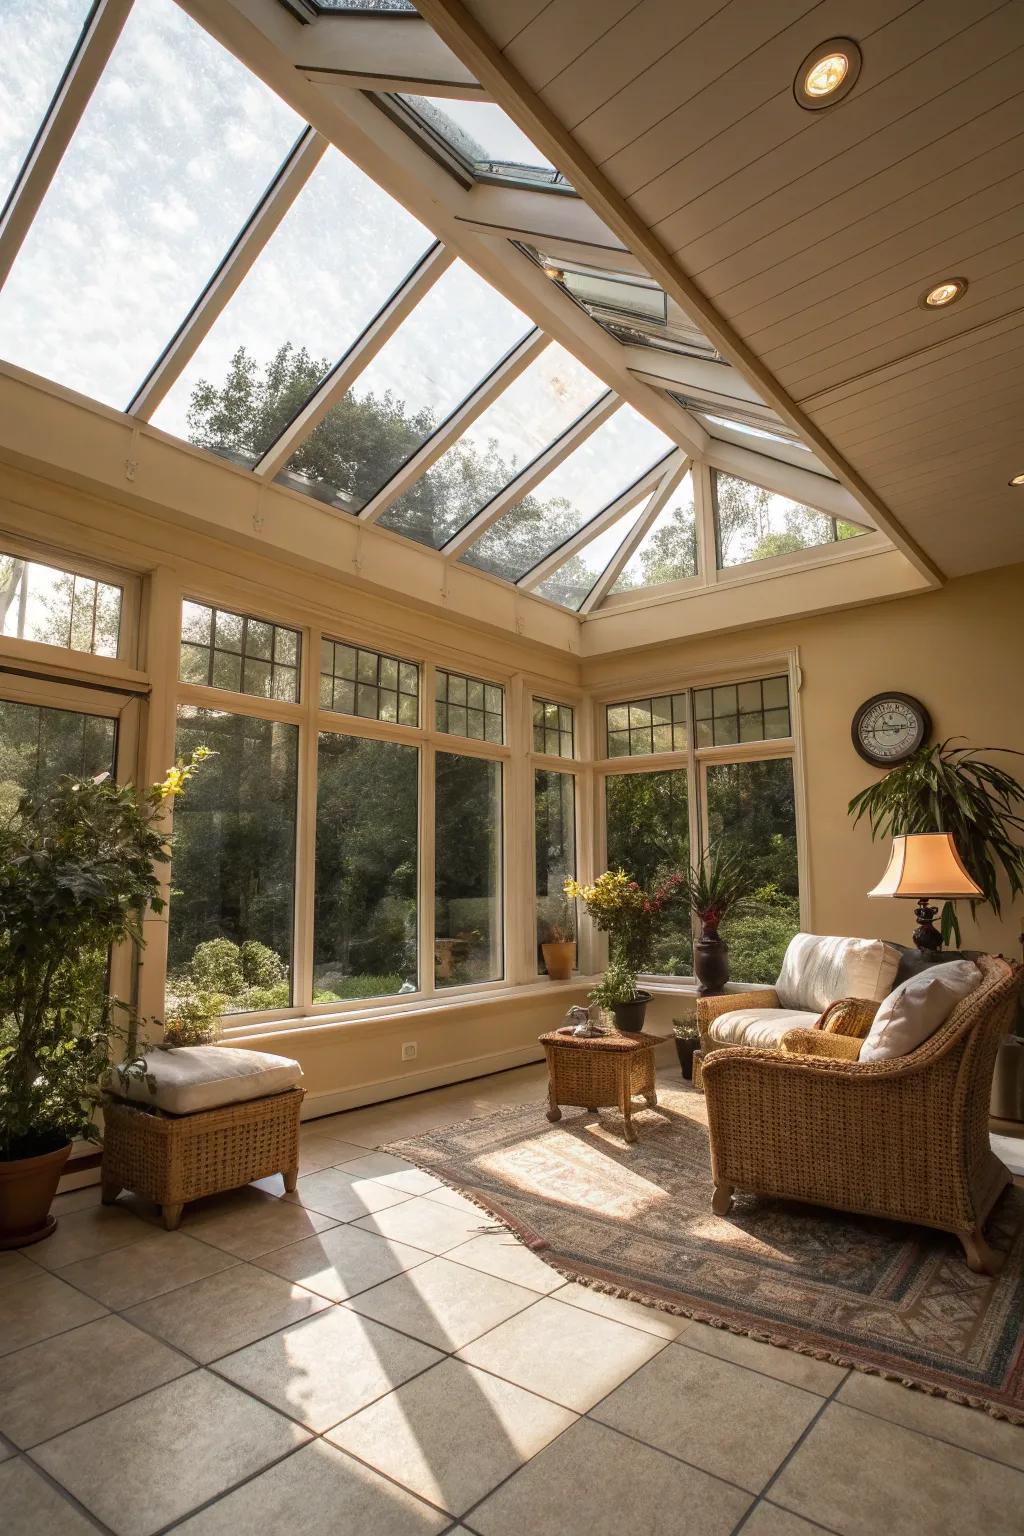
x: 467, y: 870
x: 233, y: 877
x: 364, y: 935
x: 751, y: 805
x: 649, y: 837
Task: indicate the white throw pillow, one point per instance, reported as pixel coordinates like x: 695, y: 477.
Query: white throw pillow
x: 911, y: 1014
x: 820, y: 969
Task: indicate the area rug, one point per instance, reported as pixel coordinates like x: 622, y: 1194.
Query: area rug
x: 636, y: 1221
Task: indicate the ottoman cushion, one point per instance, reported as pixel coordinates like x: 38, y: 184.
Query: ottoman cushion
x: 195, y: 1077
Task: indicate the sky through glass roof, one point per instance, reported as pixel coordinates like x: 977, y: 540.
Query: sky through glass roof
x: 668, y: 550
x: 36, y: 43
x: 482, y: 135
x: 573, y: 581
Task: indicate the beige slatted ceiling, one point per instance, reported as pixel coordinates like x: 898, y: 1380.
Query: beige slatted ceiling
x: 815, y: 233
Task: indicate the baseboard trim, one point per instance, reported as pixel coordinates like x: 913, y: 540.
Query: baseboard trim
x: 383, y: 1089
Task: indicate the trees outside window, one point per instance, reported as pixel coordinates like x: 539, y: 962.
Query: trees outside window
x: 753, y: 523
x: 467, y: 870
x: 752, y: 806
x: 649, y: 838
x: 554, y: 816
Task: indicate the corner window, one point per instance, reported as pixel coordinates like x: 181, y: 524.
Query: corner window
x: 553, y: 728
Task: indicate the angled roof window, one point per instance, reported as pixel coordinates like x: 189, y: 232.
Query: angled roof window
x: 382, y: 7
x: 527, y: 416
x: 572, y: 582
x: 456, y: 334
x: 593, y: 476
x: 36, y: 44
x: 668, y: 550
x: 754, y: 523
x: 483, y: 139
x: 175, y: 147
x: 338, y: 254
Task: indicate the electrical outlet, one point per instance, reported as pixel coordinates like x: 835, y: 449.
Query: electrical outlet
x: 409, y: 1051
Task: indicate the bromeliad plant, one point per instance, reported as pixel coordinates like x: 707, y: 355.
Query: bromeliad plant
x: 951, y: 789
x: 78, y: 873
x: 718, y: 885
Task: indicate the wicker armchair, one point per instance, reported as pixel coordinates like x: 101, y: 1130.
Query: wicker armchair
x: 906, y: 1138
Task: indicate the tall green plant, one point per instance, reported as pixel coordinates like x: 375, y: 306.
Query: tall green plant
x: 943, y: 788
x: 78, y: 872
x: 718, y: 885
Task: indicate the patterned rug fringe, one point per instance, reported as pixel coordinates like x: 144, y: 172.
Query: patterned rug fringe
x: 407, y: 1149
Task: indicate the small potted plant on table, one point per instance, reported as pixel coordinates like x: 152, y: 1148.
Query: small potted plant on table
x: 559, y: 948
x: 631, y: 918
x: 77, y: 875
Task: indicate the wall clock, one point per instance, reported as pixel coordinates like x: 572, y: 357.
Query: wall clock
x: 889, y: 727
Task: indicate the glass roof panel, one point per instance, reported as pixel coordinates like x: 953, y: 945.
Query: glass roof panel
x: 754, y: 523
x: 456, y: 334
x: 547, y: 397
x: 592, y: 477
x: 338, y: 254
x: 571, y: 583
x: 668, y: 550
x: 175, y: 147
x: 483, y: 137
x: 403, y: 7
x: 36, y: 43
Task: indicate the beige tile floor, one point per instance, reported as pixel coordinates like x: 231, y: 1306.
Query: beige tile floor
x: 374, y: 1357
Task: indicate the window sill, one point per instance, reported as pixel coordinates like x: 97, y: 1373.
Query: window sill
x: 364, y: 1019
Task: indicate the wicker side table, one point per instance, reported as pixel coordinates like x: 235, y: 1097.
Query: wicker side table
x: 605, y: 1072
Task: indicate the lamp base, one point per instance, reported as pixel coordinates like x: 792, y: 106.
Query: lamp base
x: 926, y: 936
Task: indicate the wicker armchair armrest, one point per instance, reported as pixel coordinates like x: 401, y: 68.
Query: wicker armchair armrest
x: 812, y: 1042
x: 709, y: 1008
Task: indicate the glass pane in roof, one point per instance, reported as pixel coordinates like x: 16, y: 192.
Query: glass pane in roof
x: 668, y: 550
x: 593, y: 475
x: 338, y: 254
x: 546, y: 398
x: 754, y: 523
x: 483, y: 136
x: 36, y: 43
x: 175, y: 147
x: 402, y: 6
x: 456, y: 334
x: 572, y: 581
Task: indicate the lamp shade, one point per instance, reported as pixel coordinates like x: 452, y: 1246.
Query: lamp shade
x: 926, y: 864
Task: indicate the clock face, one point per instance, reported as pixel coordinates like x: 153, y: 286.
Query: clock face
x: 888, y: 728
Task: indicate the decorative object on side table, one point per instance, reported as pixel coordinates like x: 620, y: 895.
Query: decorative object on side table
x: 687, y: 1038
x: 77, y: 875
x: 717, y: 886
x: 581, y: 1026
x: 607, y: 1072
x: 953, y: 790
x: 631, y: 918
x: 559, y: 948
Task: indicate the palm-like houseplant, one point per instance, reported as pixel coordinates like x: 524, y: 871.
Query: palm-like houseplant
x: 718, y: 885
x: 944, y: 788
x: 78, y: 872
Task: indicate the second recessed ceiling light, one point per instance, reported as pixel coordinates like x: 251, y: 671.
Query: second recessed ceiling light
x: 828, y: 73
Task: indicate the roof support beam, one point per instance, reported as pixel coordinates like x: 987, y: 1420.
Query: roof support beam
x: 631, y: 543
x: 496, y: 382
x: 811, y: 490
x: 303, y: 158
x: 673, y: 370
x: 62, y: 118
x: 603, y: 520
x: 381, y: 52
x: 341, y: 378
x: 534, y: 473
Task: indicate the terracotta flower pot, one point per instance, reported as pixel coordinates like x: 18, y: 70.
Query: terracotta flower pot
x: 27, y: 1188
x: 559, y: 959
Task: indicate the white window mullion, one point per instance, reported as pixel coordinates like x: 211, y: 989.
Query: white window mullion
x: 704, y: 512
x: 428, y: 781
x: 305, y: 841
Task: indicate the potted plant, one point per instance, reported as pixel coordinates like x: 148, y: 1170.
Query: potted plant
x: 631, y: 918
x: 687, y: 1038
x: 559, y: 948
x: 77, y: 875
x: 718, y: 885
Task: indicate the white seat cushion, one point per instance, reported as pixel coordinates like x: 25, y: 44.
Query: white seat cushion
x: 195, y: 1077
x: 820, y: 969
x: 759, y: 1026
x: 911, y: 1015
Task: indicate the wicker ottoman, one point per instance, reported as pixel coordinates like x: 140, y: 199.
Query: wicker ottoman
x: 172, y: 1158
x: 605, y: 1072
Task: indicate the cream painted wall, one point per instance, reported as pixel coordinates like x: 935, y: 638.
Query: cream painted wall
x: 958, y: 649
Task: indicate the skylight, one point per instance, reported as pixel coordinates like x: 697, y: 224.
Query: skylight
x: 452, y: 339
x: 592, y: 477
x: 174, y: 149
x: 572, y: 582
x: 36, y: 43
x: 483, y: 138
x: 754, y: 523
x: 341, y: 249
x: 529, y: 414
x: 668, y: 550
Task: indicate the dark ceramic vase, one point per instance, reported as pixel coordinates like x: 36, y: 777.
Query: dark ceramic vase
x: 684, y: 1050
x: 629, y: 1017
x: 710, y: 961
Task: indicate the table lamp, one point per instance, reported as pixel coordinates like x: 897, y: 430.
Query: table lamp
x: 926, y: 866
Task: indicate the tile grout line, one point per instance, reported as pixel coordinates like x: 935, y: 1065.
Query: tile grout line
x: 800, y: 1440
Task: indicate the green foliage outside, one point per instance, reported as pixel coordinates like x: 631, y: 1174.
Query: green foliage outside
x: 747, y: 528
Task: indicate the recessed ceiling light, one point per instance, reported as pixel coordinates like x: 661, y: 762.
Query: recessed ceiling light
x: 941, y: 295
x: 1017, y: 480
x: 828, y: 73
